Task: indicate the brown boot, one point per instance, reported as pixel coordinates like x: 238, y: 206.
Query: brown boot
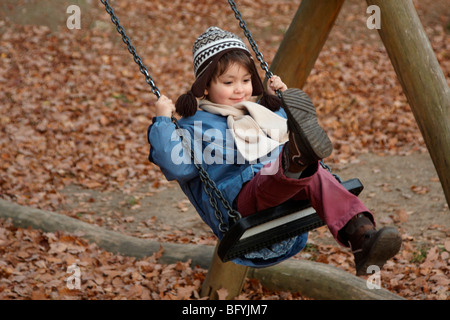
x: 294, y: 161
x: 369, y: 246
x: 308, y: 142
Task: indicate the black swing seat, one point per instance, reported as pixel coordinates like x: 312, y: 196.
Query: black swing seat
x: 273, y: 225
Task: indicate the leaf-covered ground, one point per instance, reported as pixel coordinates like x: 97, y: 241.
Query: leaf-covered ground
x: 74, y: 110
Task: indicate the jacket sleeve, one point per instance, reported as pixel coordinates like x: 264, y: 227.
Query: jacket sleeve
x: 167, y: 150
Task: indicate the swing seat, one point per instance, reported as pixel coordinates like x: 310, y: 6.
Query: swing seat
x: 273, y: 225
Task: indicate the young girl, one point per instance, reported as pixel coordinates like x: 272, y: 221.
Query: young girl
x: 258, y: 154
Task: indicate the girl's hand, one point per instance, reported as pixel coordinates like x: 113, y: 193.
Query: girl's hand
x: 275, y: 84
x: 164, y: 107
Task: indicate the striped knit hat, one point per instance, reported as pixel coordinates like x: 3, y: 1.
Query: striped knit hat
x: 208, y: 49
x: 212, y: 42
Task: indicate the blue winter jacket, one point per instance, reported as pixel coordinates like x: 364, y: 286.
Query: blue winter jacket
x: 215, y: 150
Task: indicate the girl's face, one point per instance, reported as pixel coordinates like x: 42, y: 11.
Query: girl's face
x: 233, y: 86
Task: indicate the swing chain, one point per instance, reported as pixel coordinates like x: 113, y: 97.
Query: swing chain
x: 131, y: 48
x: 249, y: 36
x: 208, y: 184
x: 328, y: 168
x: 265, y: 66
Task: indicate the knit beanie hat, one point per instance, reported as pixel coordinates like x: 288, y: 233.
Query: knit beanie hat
x: 207, y: 51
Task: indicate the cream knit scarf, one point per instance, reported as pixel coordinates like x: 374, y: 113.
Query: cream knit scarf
x: 256, y: 130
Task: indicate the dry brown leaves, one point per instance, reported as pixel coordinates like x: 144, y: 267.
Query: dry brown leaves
x: 415, y: 273
x: 37, y: 265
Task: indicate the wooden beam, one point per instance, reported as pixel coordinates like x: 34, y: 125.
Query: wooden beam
x: 228, y: 275
x: 111, y: 241
x: 313, y: 279
x: 421, y: 77
x: 304, y: 40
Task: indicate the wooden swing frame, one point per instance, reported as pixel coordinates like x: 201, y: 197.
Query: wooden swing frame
x: 410, y: 53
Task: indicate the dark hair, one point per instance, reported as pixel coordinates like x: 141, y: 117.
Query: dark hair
x: 230, y: 58
x: 186, y: 105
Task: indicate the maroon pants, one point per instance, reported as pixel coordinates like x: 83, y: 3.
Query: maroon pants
x: 332, y: 202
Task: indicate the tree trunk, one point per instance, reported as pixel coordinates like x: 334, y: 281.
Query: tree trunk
x: 111, y: 241
x: 322, y: 281
x: 314, y: 280
x: 421, y: 78
x: 304, y: 40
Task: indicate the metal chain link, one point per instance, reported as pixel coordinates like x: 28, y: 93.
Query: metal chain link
x: 328, y: 168
x: 252, y: 42
x: 264, y: 64
x: 131, y: 48
x: 249, y: 36
x: 209, y: 185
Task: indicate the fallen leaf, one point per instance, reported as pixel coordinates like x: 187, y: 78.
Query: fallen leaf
x: 447, y: 245
x: 222, y: 293
x: 420, y: 189
x: 401, y: 215
x: 184, y: 293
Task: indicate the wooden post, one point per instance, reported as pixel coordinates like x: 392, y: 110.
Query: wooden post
x: 421, y: 77
x: 304, y: 40
x: 228, y: 275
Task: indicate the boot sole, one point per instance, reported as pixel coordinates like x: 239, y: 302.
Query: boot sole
x: 311, y: 139
x: 386, y: 245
